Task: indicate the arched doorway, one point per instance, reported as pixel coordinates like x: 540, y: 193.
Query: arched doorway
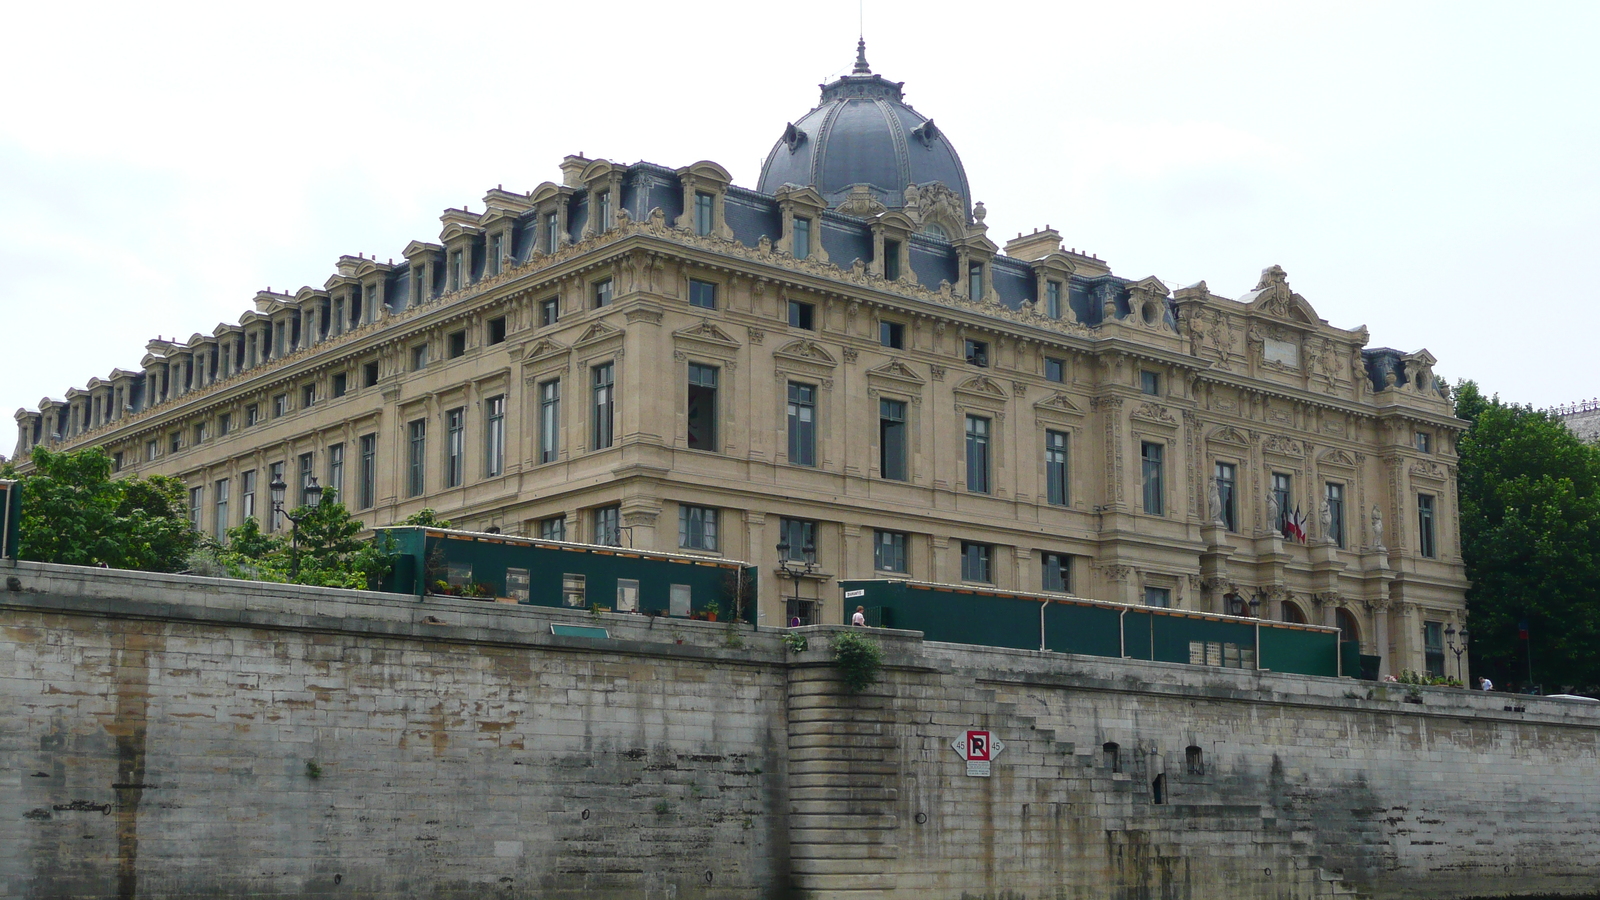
x: 1293, y: 613
x: 1349, y: 628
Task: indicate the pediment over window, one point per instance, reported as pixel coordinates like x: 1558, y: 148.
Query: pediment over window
x: 896, y: 371
x: 981, y: 386
x: 1058, y: 403
x: 1227, y: 435
x: 1154, y: 412
x: 595, y: 333
x: 706, y: 333
x: 806, y: 351
x: 1283, y: 446
x: 543, y: 349
x: 1273, y: 297
x: 1338, y: 457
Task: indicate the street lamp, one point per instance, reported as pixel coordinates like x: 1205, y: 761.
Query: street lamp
x: 1450, y: 639
x: 313, y: 497
x: 795, y: 569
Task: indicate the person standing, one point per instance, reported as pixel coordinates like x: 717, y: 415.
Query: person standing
x: 1485, y: 684
x: 860, y: 618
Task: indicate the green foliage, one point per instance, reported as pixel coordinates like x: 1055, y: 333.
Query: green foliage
x: 796, y: 642
x: 74, y: 513
x: 1408, y: 676
x: 1530, y: 535
x: 739, y: 595
x: 330, y: 553
x: 426, y: 516
x: 858, y: 658
x: 313, y: 770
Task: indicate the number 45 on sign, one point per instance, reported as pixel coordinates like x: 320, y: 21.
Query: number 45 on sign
x: 978, y: 748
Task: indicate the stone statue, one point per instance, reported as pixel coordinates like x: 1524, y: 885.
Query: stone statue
x: 1377, y: 528
x: 1214, y: 502
x: 1273, y: 512
x: 1325, y: 516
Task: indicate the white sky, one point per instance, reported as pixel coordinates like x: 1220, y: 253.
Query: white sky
x: 1431, y: 170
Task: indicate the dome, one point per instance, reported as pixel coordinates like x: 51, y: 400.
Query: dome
x: 862, y: 134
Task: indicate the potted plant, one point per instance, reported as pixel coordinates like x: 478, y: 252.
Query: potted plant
x: 712, y: 609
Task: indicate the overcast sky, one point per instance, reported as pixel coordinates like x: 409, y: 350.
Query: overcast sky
x: 1430, y: 170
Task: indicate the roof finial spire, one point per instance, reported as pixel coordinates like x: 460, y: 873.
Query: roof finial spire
x: 861, y: 59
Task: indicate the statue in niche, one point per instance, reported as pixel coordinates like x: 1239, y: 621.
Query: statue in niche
x: 1274, y: 514
x: 1325, y: 516
x: 1214, y: 502
x: 1377, y: 528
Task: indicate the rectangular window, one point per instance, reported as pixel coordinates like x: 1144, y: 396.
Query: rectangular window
x: 1424, y: 442
x: 341, y: 384
x: 369, y: 471
x: 197, y: 497
x: 455, y: 270
x: 419, y: 357
x: 889, y: 551
x: 977, y: 454
x: 549, y: 311
x: 174, y: 442
x: 697, y: 527
x: 369, y: 374
x: 1055, y: 468
x: 308, y: 396
x: 1281, y: 492
x: 252, y: 414
x: 608, y: 526
x: 703, y: 212
x: 116, y: 461
x: 702, y: 294
x: 455, y: 344
x: 220, y: 529
x: 552, y: 233
x: 416, y: 457
x: 977, y: 353
x: 496, y: 248
x: 336, y: 470
x: 280, y: 405
x: 891, y: 260
x: 455, y: 430
x: 275, y: 475
x: 1056, y: 574
x: 224, y: 424
x: 553, y: 528
x: 604, y: 404
x: 1433, y: 648
x: 495, y: 331
x: 1227, y: 476
x: 518, y: 582
x: 702, y: 407
x: 1149, y: 383
x: 549, y: 421
x: 801, y: 315
x: 1052, y: 299
x: 892, y: 439
x: 494, y: 436
x: 150, y: 451
x: 419, y: 291
x: 975, y: 562
x: 574, y: 591
x: 1335, y: 498
x: 627, y: 595
x: 1055, y: 369
x: 802, y: 238
x: 199, y: 432
x: 602, y: 293
x: 975, y: 281
x: 892, y: 335
x: 1150, y: 465
x: 308, y: 474
x: 802, y: 424
x: 1425, y: 531
x: 801, y: 536
x: 1155, y: 596
x: 247, y: 494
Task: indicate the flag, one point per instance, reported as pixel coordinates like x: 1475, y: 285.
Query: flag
x: 1522, y: 630
x: 1294, y: 526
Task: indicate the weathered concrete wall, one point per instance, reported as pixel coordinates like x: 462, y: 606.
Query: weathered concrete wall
x: 159, y: 736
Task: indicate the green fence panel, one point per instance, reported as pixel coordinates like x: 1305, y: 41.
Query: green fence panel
x: 1138, y: 634
x: 1178, y: 638
x: 1300, y: 651
x: 1076, y: 628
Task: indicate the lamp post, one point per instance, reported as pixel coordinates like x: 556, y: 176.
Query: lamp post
x: 313, y: 498
x: 1450, y: 640
x: 795, y: 569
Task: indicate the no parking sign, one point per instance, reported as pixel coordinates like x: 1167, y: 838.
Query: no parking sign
x: 978, y: 748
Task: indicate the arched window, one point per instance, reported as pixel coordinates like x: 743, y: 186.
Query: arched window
x: 1113, y: 757
x: 1349, y: 628
x: 1196, y: 758
x: 933, y: 229
x: 1158, y: 789
x: 1292, y: 613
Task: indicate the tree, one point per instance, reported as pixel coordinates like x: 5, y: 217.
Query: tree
x: 427, y: 517
x: 1530, y: 535
x: 331, y: 554
x: 74, y: 513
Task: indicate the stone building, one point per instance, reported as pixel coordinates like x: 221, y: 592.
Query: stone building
x: 1581, y: 418
x: 842, y: 360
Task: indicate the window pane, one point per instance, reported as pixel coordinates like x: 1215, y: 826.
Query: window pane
x: 1055, y: 467
x: 604, y: 405
x: 549, y: 421
x: 1154, y: 497
x: 1227, y: 478
x: 892, y: 439
x: 977, y: 454
x: 702, y: 407
x: 702, y: 294
x: 802, y: 424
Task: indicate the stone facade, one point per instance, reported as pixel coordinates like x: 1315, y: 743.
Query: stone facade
x: 166, y: 737
x: 635, y: 348
x: 1582, y: 418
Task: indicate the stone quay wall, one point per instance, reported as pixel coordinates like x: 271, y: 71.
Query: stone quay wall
x: 167, y: 737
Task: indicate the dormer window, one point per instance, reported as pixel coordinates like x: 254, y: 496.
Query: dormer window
x: 703, y: 210
x: 551, y: 233
x: 602, y: 211
x: 977, y: 353
x: 975, y: 281
x: 802, y: 238
x: 496, y: 247
x: 1052, y: 299
x: 891, y: 260
x: 455, y: 270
